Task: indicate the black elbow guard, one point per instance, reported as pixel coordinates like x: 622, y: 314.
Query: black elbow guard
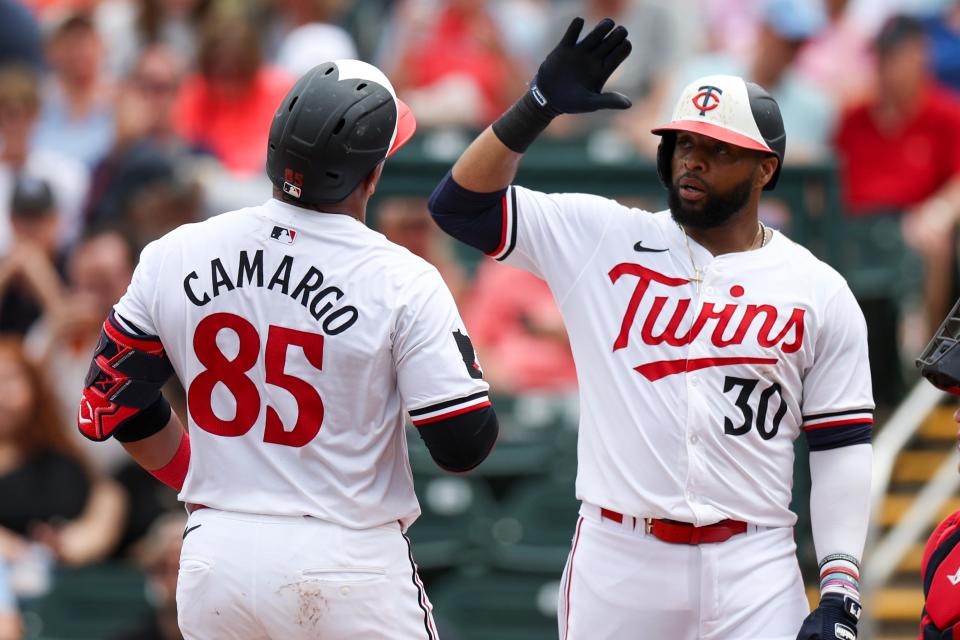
x: 460, y: 443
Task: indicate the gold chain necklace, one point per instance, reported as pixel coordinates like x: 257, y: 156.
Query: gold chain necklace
x: 698, y: 271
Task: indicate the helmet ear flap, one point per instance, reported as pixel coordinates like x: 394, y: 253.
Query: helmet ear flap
x: 665, y: 158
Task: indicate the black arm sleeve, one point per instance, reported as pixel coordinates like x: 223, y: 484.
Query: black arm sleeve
x: 460, y: 443
x: 473, y: 218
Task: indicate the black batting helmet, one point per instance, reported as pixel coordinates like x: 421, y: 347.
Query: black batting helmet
x: 726, y: 108
x: 940, y: 361
x: 337, y: 123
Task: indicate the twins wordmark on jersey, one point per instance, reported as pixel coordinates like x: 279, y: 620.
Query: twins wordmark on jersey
x: 727, y: 324
x: 692, y: 397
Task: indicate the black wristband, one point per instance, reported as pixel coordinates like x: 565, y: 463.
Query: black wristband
x: 146, y: 422
x: 523, y: 122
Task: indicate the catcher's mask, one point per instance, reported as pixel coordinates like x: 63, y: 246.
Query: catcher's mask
x: 940, y: 361
x: 726, y: 108
x: 337, y: 123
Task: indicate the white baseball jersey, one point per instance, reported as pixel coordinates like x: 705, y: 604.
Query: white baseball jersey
x: 690, y: 402
x: 300, y: 337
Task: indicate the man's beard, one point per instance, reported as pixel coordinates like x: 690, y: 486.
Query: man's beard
x: 714, y: 210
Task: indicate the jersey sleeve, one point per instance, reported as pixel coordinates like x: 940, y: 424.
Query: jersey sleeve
x: 438, y: 373
x: 837, y: 394
x: 135, y: 310
x: 552, y: 235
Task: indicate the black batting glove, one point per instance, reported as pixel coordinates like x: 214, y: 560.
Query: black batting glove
x: 570, y: 80
x: 835, y: 619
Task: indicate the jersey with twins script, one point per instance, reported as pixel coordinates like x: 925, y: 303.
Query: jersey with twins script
x: 300, y: 338
x: 691, y: 397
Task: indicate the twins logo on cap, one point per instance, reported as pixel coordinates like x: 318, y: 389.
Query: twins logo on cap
x: 708, y: 99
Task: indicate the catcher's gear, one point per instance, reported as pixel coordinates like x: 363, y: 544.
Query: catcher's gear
x: 940, y: 571
x: 940, y: 360
x: 726, y: 108
x: 337, y: 123
x: 569, y: 80
x: 122, y: 387
x: 835, y: 619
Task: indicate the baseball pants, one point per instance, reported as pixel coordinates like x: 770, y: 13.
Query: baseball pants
x: 258, y: 577
x: 622, y: 584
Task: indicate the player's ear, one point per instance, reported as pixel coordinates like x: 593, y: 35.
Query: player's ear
x: 765, y: 170
x: 370, y: 182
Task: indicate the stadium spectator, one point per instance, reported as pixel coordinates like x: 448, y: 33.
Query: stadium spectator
x: 76, y: 116
x: 146, y: 149
x: 518, y: 331
x: 943, y: 33
x: 98, y: 272
x: 30, y: 273
x: 407, y: 222
x: 307, y: 34
x: 912, y: 124
x: 450, y: 63
x: 809, y: 114
x: 843, y: 39
x: 20, y: 40
x: 227, y: 107
x: 47, y: 493
x: 68, y: 178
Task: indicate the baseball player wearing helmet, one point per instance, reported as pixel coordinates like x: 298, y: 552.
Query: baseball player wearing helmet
x: 940, y: 568
x: 705, y: 344
x: 300, y: 336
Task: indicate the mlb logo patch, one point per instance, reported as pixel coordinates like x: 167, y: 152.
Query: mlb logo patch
x: 291, y: 189
x: 284, y: 235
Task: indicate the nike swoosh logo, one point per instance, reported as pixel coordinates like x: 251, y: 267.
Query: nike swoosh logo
x: 639, y: 247
x: 955, y: 578
x: 189, y: 529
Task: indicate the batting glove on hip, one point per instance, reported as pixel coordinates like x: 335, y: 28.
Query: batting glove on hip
x: 835, y: 619
x: 570, y: 80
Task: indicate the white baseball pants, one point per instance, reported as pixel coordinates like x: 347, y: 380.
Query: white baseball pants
x: 622, y: 584
x: 257, y: 577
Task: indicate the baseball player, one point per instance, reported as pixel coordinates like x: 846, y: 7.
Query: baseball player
x: 300, y: 336
x: 705, y: 344
x: 940, y: 568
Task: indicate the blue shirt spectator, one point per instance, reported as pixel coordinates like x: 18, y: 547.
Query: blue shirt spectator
x: 20, y: 40
x: 943, y: 35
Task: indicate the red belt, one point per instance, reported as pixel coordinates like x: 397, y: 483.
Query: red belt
x: 683, y: 532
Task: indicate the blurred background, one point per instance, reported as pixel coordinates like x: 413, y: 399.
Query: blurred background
x: 122, y: 119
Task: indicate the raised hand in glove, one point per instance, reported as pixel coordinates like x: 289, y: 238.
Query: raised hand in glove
x: 570, y: 80
x: 835, y: 619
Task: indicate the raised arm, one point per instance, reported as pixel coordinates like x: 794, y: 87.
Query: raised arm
x: 467, y: 202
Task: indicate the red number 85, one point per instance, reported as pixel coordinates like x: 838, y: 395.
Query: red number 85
x: 233, y: 375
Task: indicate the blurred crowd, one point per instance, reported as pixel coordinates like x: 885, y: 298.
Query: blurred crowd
x: 123, y: 119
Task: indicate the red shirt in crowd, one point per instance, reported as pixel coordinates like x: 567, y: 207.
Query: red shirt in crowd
x: 462, y: 43
x: 516, y: 325
x: 895, y: 170
x: 233, y: 127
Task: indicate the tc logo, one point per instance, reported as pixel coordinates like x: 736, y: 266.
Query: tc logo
x: 708, y: 99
